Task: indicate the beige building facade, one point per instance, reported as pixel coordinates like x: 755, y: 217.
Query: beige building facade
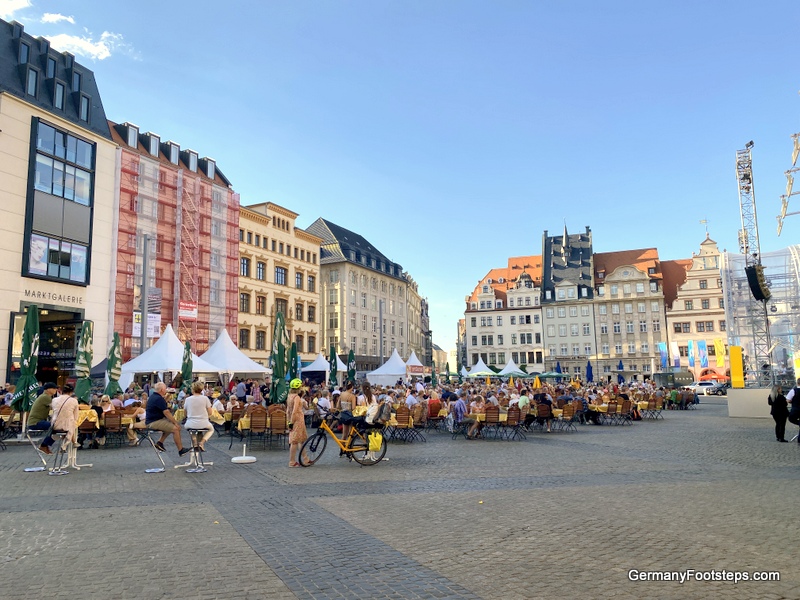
x: 696, y: 310
x: 57, y: 192
x: 278, y: 272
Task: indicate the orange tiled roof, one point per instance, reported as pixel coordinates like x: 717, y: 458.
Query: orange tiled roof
x: 532, y: 265
x: 643, y: 259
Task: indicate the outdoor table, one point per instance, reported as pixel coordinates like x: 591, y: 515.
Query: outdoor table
x: 599, y: 407
x: 642, y: 405
x: 88, y: 415
x: 481, y: 417
x: 180, y: 414
x: 244, y: 423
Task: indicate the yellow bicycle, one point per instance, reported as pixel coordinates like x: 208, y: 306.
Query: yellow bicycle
x: 356, y: 446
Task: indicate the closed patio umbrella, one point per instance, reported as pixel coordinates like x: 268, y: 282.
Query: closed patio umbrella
x: 83, y: 362
x: 620, y: 376
x: 293, y: 361
x: 279, y: 388
x: 186, y: 368
x: 27, y: 384
x: 589, y: 372
x: 114, y: 367
x: 351, y: 366
x: 333, y: 361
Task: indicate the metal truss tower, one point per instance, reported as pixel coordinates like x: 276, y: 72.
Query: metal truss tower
x: 789, y: 183
x: 758, y: 367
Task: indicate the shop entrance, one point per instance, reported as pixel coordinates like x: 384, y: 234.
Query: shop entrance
x: 59, y: 331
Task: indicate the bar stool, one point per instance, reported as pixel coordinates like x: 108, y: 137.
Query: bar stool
x: 60, y: 454
x: 196, y: 463
x: 31, y: 434
x: 145, y: 434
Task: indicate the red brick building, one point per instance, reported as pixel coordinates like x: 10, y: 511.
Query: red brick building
x: 187, y: 207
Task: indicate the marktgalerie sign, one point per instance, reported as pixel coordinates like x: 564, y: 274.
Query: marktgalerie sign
x: 53, y: 297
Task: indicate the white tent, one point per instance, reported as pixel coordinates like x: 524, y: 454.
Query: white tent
x: 414, y: 366
x: 480, y: 369
x: 166, y: 355
x: 225, y: 355
x: 512, y: 370
x: 389, y: 372
x: 320, y: 364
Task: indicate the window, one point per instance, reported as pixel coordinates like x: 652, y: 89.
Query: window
x: 687, y: 305
x: 615, y: 309
x: 83, y: 115
x: 312, y: 314
x: 676, y: 327
x: 261, y: 305
x: 58, y: 98
x: 562, y: 294
x: 32, y: 83
x: 489, y: 321
x: 261, y: 340
x: 51, y: 257
x: 548, y: 313
x: 500, y: 341
x: 641, y: 307
x: 570, y: 292
x: 614, y: 289
x: 642, y: 326
x: 640, y: 288
x: 474, y: 340
x: 573, y: 311
x: 473, y: 321
x: 703, y: 284
x: 628, y: 308
x: 602, y: 309
x: 563, y: 350
x: 618, y: 348
x: 722, y: 325
x: 601, y: 290
x: 617, y: 327
x: 249, y: 237
x: 603, y: 328
x: 298, y: 280
x: 261, y: 271
x: 587, y: 349
x: 576, y: 350
x: 244, y: 338
x: 513, y: 320
x: 645, y: 348
x: 586, y: 329
x: 584, y: 311
x: 375, y: 325
x: 573, y: 329
x: 298, y: 311
x: 282, y: 306
x: 605, y: 348
x: 363, y: 322
x: 280, y: 276
x: 721, y: 303
x: 709, y: 325
x: 687, y: 327
x: 551, y: 331
x: 562, y: 331
x: 562, y: 312
x: 312, y: 344
x: 513, y: 339
x: 629, y: 326
x: 24, y: 53
x: 76, y: 81
x: 333, y: 296
x: 63, y: 165
x: 499, y: 321
x: 244, y: 267
x: 244, y: 303
x: 653, y: 286
x: 311, y: 283
x: 363, y: 300
x: 705, y: 304
x: 656, y: 326
x: 626, y: 288
x: 654, y: 306
x: 333, y: 320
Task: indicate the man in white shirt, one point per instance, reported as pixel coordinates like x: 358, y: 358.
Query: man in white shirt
x: 323, y: 404
x: 411, y: 400
x: 218, y: 405
x: 420, y: 387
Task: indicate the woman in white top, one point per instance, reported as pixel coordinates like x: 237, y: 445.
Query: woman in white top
x: 198, y: 409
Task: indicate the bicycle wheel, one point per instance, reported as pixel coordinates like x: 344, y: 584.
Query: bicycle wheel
x: 361, y: 453
x: 312, y: 449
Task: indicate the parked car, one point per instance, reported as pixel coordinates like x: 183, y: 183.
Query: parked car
x: 708, y: 388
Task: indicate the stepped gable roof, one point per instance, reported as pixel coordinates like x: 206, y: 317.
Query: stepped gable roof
x: 643, y: 259
x: 674, y: 277
x: 567, y: 257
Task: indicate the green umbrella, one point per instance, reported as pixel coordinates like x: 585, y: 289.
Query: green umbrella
x: 351, y: 367
x: 293, y: 361
x: 27, y: 384
x: 83, y: 363
x: 460, y: 377
x: 279, y: 389
x: 434, y: 383
x: 114, y: 367
x: 447, y: 370
x: 186, y: 368
x: 334, y: 364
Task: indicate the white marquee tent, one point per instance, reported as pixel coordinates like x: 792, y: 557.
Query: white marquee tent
x: 165, y: 355
x: 512, y: 370
x: 389, y: 372
x: 480, y: 369
x: 229, y: 359
x: 464, y: 372
x: 321, y: 365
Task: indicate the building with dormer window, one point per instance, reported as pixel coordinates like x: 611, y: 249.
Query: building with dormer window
x: 567, y: 295
x: 57, y: 191
x: 368, y: 303
x: 503, y: 319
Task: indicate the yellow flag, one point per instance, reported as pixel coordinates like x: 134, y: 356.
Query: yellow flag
x: 487, y: 380
x: 510, y: 382
x: 537, y: 383
x: 737, y: 367
x: 719, y: 350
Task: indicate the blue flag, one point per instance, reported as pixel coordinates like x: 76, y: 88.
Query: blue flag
x: 691, y: 353
x: 702, y: 352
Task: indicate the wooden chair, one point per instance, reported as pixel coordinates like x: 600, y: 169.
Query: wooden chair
x: 88, y: 430
x: 404, y: 430
x: 114, y: 432
x: 610, y: 415
x: 491, y: 426
x: 512, y: 429
x: 624, y: 413
x: 258, y: 425
x: 568, y: 418
x: 434, y: 421
x: 543, y: 413
x: 278, y: 427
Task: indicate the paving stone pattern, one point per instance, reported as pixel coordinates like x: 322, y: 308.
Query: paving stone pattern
x: 560, y: 515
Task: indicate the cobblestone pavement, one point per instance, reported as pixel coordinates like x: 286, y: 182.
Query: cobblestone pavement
x: 560, y: 515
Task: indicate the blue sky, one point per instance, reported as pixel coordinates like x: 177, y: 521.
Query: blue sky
x: 451, y: 133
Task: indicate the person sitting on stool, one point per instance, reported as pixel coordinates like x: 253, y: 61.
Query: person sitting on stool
x: 39, y: 417
x: 159, y: 417
x: 198, y: 409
